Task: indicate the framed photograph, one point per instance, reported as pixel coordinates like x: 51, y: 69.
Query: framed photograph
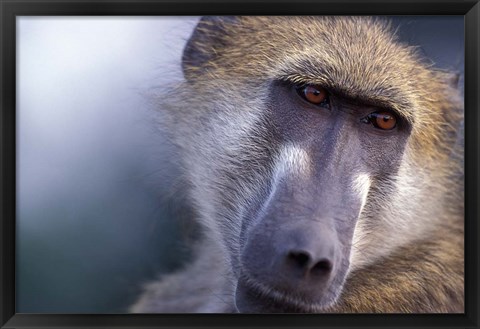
x: 207, y: 164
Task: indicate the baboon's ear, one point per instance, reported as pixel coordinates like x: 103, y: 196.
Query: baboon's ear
x: 205, y: 44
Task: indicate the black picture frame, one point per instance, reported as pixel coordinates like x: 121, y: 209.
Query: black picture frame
x: 9, y: 9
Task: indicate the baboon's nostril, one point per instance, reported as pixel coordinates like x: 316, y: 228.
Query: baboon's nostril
x: 324, y: 266
x: 300, y: 258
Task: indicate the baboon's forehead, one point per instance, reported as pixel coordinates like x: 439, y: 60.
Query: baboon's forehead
x: 344, y: 44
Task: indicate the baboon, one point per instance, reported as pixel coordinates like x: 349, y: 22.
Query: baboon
x: 321, y: 158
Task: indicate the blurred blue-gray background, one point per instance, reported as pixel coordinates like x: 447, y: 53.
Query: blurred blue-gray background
x: 92, y: 220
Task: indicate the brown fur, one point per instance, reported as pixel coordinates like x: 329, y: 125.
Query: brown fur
x: 424, y: 274
x: 424, y: 277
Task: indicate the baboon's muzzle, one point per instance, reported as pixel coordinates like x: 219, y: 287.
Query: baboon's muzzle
x: 296, y: 253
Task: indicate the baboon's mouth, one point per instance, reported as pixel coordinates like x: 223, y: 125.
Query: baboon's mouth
x: 253, y: 298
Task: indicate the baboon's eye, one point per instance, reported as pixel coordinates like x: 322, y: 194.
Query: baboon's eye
x: 381, y: 120
x: 313, y: 94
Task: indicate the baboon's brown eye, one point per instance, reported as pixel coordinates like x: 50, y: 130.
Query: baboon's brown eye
x: 385, y: 121
x: 381, y: 120
x: 314, y: 94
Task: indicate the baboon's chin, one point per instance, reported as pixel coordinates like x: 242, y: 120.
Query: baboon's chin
x: 250, y: 299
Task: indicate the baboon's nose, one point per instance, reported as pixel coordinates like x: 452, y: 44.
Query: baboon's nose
x: 300, y: 259
x: 305, y: 254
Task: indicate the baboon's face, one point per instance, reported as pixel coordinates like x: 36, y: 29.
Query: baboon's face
x: 296, y: 237
x: 295, y: 133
